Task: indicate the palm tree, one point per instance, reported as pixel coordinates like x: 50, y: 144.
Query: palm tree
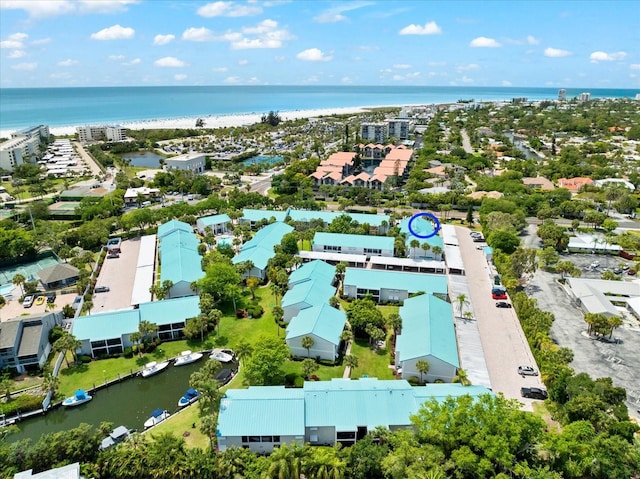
x: 414, y: 244
x: 19, y: 280
x: 425, y: 247
x: 461, y: 378
x: 423, y: 367
x: 135, y: 338
x: 309, y: 366
x: 50, y: 382
x: 437, y: 251
x: 614, y: 322
x: 6, y: 386
x: 346, y: 335
x: 147, y: 328
x: 243, y: 350
x: 462, y: 301
x: 324, y: 463
x: 351, y: 361
x: 67, y: 342
x: 307, y: 342
x: 286, y: 461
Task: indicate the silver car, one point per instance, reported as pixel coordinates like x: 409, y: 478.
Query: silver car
x: 527, y: 371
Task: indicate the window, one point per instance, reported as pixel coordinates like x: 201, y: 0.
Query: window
x: 340, y: 435
x: 254, y: 438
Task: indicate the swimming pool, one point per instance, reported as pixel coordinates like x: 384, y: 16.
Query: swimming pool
x: 6, y: 289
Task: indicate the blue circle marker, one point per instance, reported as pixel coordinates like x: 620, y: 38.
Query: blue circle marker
x: 432, y: 218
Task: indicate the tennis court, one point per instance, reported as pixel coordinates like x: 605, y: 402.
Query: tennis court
x: 28, y: 270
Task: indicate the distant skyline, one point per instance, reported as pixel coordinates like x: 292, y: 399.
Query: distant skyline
x: 563, y: 44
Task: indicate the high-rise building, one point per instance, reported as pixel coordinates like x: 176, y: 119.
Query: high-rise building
x: 398, y: 128
x: 585, y: 96
x: 101, y: 133
x: 562, y: 95
x: 23, y: 147
x: 377, y: 132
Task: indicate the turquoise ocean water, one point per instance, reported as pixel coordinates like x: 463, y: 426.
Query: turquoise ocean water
x: 23, y: 107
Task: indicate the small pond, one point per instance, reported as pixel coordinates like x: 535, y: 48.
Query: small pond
x: 146, y: 159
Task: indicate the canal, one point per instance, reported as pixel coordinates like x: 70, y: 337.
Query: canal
x: 529, y: 153
x: 128, y: 403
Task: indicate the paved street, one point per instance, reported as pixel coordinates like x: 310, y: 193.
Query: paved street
x: 505, y: 346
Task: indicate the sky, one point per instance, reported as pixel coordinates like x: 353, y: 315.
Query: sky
x: 64, y: 43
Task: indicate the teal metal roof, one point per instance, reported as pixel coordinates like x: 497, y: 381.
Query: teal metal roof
x: 262, y: 411
x: 181, y: 265
x: 422, y: 227
x: 313, y: 270
x: 313, y: 293
x: 214, y: 220
x: 178, y: 239
x: 354, y: 241
x: 98, y: 327
x: 306, y: 216
x: 258, y: 215
x: 445, y: 390
x: 170, y: 311
x: 323, y: 321
x: 381, y: 279
x: 427, y: 330
x: 259, y: 249
x: 170, y: 226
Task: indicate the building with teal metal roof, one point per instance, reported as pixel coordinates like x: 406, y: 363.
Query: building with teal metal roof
x: 304, y: 295
x: 379, y: 223
x: 324, y: 412
x: 316, y: 269
x: 255, y: 216
x: 259, y: 249
x: 322, y: 323
x: 385, y: 285
x: 353, y: 244
x: 108, y: 333
x: 173, y: 225
x: 422, y: 227
x: 178, y: 253
x: 427, y: 334
x: 219, y: 224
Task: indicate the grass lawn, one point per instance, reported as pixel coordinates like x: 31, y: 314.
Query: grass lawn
x: 373, y: 363
x: 180, y: 424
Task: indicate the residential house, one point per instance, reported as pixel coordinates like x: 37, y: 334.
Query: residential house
x: 353, y: 244
x: 324, y: 413
x: 615, y: 182
x: 58, y: 276
x: 305, y: 295
x: 219, y: 224
x: 109, y: 333
x: 386, y: 286
x: 592, y: 244
x: 259, y: 249
x: 323, y: 324
x: 179, y: 258
x: 574, y: 184
x: 24, y: 341
x: 538, y: 182
x: 428, y: 334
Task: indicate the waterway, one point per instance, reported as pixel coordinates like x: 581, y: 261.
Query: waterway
x: 128, y: 403
x: 144, y: 159
x: 529, y: 153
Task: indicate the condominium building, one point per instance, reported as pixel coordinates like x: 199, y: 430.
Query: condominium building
x: 399, y: 128
x: 585, y: 96
x: 562, y: 95
x: 377, y: 132
x: 101, y: 133
x: 23, y: 147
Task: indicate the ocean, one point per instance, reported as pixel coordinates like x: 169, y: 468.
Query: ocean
x: 56, y: 107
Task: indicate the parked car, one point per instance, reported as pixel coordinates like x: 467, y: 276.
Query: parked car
x: 40, y: 300
x: 27, y: 302
x: 534, y: 393
x: 113, y: 255
x: 51, y: 297
x: 631, y: 272
x: 503, y: 304
x: 102, y: 289
x: 527, y: 371
x: 499, y: 295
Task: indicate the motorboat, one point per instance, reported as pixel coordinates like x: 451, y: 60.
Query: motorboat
x: 221, y: 356
x: 157, y: 416
x: 224, y: 376
x: 80, y: 397
x: 189, y: 397
x: 116, y: 436
x: 187, y: 357
x: 153, y: 367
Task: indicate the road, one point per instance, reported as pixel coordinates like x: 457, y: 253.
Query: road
x: 91, y: 164
x: 466, y: 143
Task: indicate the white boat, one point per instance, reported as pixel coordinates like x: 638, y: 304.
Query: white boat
x: 187, y: 357
x: 189, y: 397
x: 221, y: 356
x: 153, y: 367
x: 80, y: 397
x: 157, y: 416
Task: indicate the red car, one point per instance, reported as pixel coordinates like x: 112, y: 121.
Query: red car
x: 499, y: 295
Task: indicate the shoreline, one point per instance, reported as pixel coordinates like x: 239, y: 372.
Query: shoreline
x: 211, y: 121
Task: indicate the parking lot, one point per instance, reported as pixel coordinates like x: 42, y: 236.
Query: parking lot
x: 605, y: 262
x: 618, y: 360
x: 118, y: 275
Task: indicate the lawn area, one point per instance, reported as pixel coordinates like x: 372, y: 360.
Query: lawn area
x: 374, y: 364
x: 179, y: 424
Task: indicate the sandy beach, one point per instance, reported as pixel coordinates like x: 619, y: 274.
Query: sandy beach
x: 211, y: 121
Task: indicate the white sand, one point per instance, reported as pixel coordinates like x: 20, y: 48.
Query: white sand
x: 220, y: 121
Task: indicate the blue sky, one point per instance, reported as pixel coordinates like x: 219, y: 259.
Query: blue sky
x: 567, y: 44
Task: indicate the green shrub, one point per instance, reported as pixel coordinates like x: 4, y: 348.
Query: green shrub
x: 84, y: 359
x: 298, y: 382
x: 414, y: 380
x: 290, y: 379
x: 128, y: 353
x: 55, y: 334
x: 22, y: 403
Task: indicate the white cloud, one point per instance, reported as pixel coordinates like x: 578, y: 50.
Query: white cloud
x: 15, y: 41
x: 531, y: 40
x: 506, y: 83
x: 470, y: 66
x: 116, y: 58
x: 635, y: 66
x: 264, y: 26
x: 115, y: 32
x: 104, y: 6
x: 346, y: 80
x: 596, y: 57
x: 135, y: 61
x: 180, y: 77
x: 52, y: 8
x: 228, y: 9
x: 265, y: 34
x: 556, y: 52
x: 16, y: 54
x: 436, y: 64
x: 244, y: 61
x: 401, y: 66
x: 163, y: 39
x: 232, y: 80
x: 41, y: 41
x: 201, y: 34
x: 335, y: 14
x: 466, y: 79
x: 484, y: 42
x: 60, y: 76
x: 313, y: 55
x: 220, y: 69
x: 429, y: 28
x: 67, y: 63
x: 169, y: 62
x: 25, y: 66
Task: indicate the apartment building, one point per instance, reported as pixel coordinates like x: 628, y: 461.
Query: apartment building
x: 101, y: 133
